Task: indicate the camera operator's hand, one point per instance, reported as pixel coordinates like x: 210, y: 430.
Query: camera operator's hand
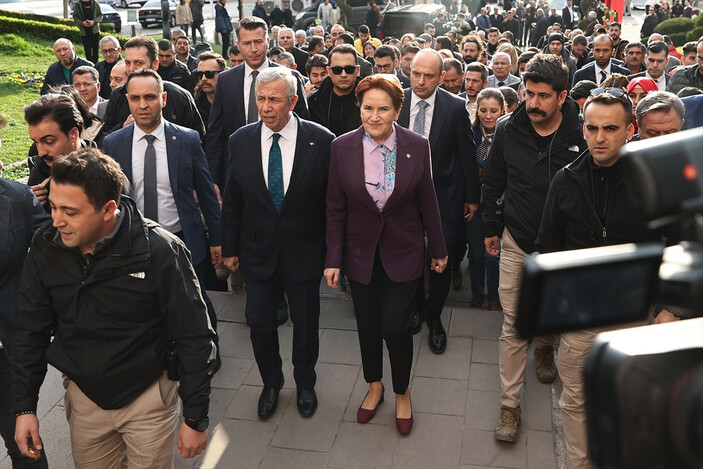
x: 665, y: 316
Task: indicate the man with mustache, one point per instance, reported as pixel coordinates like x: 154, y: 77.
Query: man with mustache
x: 539, y: 138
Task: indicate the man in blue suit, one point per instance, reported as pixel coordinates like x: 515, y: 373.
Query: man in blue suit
x: 234, y: 105
x: 273, y: 227
x: 602, y: 65
x: 165, y: 163
x: 442, y: 118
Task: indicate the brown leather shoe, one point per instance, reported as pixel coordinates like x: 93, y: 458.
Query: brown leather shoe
x: 497, y: 307
x: 478, y: 303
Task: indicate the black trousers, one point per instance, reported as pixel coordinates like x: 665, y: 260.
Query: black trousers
x: 439, y: 284
x: 90, y: 44
x: 384, y: 311
x: 7, y: 421
x: 225, y: 43
x: 304, y: 306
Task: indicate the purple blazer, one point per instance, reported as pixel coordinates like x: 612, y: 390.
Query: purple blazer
x: 355, y: 226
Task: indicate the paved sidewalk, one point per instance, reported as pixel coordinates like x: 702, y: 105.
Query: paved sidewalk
x: 455, y: 402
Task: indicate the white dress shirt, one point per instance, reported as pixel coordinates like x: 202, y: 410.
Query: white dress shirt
x: 168, y: 213
x: 248, y: 83
x: 429, y: 111
x: 287, y: 142
x: 661, y: 82
x: 597, y: 69
x: 470, y: 108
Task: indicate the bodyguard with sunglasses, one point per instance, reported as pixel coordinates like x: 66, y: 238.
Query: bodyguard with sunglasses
x: 588, y: 206
x: 205, y: 80
x: 334, y: 104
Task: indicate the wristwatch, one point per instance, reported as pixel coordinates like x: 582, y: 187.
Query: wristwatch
x: 198, y: 425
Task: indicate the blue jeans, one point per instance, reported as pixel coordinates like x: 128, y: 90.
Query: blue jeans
x: 483, y: 268
x: 7, y: 421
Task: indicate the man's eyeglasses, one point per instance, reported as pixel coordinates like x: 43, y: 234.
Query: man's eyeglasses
x: 209, y: 74
x: 109, y: 51
x: 384, y: 68
x: 84, y: 84
x: 348, y: 69
x: 615, y: 92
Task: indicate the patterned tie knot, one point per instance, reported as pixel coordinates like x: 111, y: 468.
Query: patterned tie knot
x: 149, y: 139
x: 275, y: 138
x: 254, y: 74
x: 423, y: 104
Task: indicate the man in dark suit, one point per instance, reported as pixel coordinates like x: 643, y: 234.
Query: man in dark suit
x: 656, y: 59
x: 141, y: 52
x: 274, y: 228
x: 234, y: 103
x: 442, y: 118
x: 602, y: 65
x: 386, y: 62
x: 567, y: 15
x: 286, y: 40
x: 165, y: 163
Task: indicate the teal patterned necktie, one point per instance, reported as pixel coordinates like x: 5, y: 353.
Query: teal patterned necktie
x: 276, y: 173
x: 419, y: 125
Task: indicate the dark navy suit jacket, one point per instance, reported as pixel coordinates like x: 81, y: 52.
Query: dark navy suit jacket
x: 454, y: 168
x: 588, y: 72
x: 292, y: 241
x: 187, y: 171
x: 227, y: 115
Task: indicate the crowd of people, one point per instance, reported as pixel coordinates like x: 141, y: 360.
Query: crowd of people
x: 376, y: 165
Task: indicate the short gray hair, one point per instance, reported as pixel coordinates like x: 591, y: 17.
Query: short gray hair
x: 660, y: 101
x: 286, y: 56
x: 114, y: 40
x: 502, y: 54
x: 278, y: 73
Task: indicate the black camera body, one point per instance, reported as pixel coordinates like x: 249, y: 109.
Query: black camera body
x: 644, y: 385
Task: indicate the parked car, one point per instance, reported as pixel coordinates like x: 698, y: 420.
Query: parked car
x: 306, y: 18
x: 150, y: 13
x: 409, y: 19
x: 127, y: 3
x: 110, y: 15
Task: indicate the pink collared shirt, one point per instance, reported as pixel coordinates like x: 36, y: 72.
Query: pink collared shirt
x: 379, y: 167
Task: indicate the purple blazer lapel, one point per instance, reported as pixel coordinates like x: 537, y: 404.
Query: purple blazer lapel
x: 353, y: 161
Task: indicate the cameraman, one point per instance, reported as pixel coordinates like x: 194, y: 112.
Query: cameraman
x: 588, y: 205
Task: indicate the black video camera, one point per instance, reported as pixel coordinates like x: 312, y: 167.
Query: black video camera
x: 644, y: 385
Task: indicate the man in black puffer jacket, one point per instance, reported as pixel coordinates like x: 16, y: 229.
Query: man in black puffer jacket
x: 537, y: 140
x: 119, y: 294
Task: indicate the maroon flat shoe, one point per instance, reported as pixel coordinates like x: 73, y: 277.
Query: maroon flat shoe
x: 405, y: 425
x: 365, y: 415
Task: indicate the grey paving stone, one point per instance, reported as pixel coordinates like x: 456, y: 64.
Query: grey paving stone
x: 477, y: 323
x: 51, y: 392
x: 537, y: 405
x: 359, y: 445
x: 233, y: 308
x: 540, y: 450
x: 485, y: 351
x: 53, y: 430
x: 438, y: 396
x: 334, y: 385
x: 435, y: 442
x: 479, y: 447
x: 238, y: 442
x: 220, y: 400
x: 482, y: 410
x: 336, y: 313
x: 219, y: 300
x: 483, y: 377
x: 276, y: 458
x: 234, y: 340
x: 452, y: 364
x: 232, y: 373
x: 339, y: 346
x: 244, y: 404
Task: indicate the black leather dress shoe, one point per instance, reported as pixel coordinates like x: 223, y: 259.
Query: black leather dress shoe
x: 282, y: 310
x: 268, y: 401
x: 437, y: 338
x: 416, y: 325
x: 457, y: 278
x: 307, y: 402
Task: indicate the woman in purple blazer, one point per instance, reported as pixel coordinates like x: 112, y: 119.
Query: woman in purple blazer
x: 380, y: 202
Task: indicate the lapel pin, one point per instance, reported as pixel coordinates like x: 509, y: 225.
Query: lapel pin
x: 174, y: 137
x: 407, y: 155
x: 312, y: 144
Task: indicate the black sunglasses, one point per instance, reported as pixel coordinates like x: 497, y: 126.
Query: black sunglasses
x: 209, y: 74
x: 615, y: 92
x: 348, y: 69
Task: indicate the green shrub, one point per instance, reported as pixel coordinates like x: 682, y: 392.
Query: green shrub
x: 583, y: 24
x: 674, y: 25
x: 695, y: 33
x: 699, y: 20
x: 107, y: 28
x: 31, y: 16
x: 679, y: 39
